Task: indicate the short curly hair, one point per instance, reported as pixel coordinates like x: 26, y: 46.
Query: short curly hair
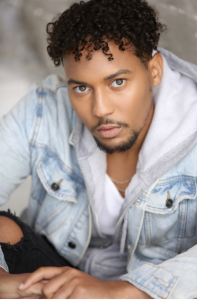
x: 91, y: 25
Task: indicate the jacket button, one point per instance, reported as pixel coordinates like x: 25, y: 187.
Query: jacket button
x: 169, y: 203
x: 72, y: 245
x: 138, y: 202
x: 55, y: 186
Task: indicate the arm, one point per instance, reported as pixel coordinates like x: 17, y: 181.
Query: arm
x: 15, y: 134
x: 66, y: 282
x: 175, y: 278
x: 9, y: 286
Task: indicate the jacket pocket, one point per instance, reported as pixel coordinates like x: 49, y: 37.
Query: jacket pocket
x: 169, y: 225
x: 57, y: 204
x: 51, y: 170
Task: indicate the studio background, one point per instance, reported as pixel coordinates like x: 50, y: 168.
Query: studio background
x: 24, y: 60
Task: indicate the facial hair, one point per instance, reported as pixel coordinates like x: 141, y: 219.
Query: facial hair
x: 124, y: 146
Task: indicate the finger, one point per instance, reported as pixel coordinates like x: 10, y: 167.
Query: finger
x: 53, y: 285
x: 34, y: 291
x: 33, y: 297
x: 67, y: 290
x: 40, y: 274
x: 57, y: 282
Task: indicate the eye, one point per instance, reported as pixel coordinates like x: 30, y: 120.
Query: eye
x: 81, y: 89
x: 118, y: 82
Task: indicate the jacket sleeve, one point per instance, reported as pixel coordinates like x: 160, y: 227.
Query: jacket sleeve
x: 175, y: 278
x: 16, y: 131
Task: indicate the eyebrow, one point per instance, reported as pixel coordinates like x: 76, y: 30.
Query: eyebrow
x: 120, y: 72
x: 72, y: 81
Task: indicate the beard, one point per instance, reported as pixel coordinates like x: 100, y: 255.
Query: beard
x: 122, y: 147
x: 125, y: 145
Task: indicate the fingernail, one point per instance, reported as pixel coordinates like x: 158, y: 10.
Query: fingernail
x: 21, y: 286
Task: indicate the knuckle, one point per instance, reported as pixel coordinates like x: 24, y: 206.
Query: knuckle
x: 41, y: 269
x: 80, y: 292
x: 76, y: 283
x: 72, y: 272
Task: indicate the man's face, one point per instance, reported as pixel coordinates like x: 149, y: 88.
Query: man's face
x: 112, y: 98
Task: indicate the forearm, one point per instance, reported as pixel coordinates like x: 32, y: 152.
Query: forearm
x: 175, y: 278
x: 125, y: 290
x: 9, y: 286
x: 70, y: 283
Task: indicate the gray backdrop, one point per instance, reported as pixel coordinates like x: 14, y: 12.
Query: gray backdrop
x: 23, y: 57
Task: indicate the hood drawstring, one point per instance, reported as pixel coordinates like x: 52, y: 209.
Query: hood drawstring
x: 124, y: 234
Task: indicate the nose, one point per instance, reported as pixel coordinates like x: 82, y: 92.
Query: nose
x: 102, y: 106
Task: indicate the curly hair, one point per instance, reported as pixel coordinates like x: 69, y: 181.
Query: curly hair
x: 91, y: 25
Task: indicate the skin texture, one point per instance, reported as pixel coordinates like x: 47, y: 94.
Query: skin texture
x: 9, y: 287
x: 69, y: 283
x: 99, y: 100
x: 10, y: 232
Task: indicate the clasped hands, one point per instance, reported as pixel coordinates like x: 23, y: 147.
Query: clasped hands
x: 66, y: 283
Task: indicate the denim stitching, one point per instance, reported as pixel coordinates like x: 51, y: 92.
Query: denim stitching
x: 38, y: 118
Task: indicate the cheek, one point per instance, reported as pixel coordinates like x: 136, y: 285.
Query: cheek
x: 82, y: 109
x: 135, y: 101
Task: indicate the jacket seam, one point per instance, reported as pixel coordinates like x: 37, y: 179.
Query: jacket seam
x: 177, y: 178
x: 151, y: 293
x: 37, y: 118
x: 56, y: 194
x: 63, y: 167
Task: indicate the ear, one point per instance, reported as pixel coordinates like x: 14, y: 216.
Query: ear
x: 155, y: 67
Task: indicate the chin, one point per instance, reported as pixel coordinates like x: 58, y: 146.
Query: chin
x: 118, y: 147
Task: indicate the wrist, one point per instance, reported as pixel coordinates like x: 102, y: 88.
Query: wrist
x: 125, y: 290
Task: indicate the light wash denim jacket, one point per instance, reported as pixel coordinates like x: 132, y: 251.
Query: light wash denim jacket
x: 41, y: 136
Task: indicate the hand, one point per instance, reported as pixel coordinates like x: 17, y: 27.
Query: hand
x: 66, y: 282
x: 9, y: 287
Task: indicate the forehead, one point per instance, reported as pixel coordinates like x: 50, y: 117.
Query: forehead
x: 99, y: 64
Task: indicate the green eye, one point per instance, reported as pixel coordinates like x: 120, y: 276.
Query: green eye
x: 118, y: 82
x: 81, y: 89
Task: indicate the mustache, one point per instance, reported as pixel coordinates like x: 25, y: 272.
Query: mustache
x: 109, y: 121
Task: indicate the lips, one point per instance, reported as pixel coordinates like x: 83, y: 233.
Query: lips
x: 106, y: 127
x: 108, y: 131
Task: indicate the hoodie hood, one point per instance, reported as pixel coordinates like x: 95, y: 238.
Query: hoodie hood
x: 173, y: 130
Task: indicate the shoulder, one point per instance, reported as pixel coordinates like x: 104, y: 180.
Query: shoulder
x: 54, y: 114
x: 45, y: 110
x: 53, y: 96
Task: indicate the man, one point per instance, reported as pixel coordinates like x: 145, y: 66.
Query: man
x: 112, y: 154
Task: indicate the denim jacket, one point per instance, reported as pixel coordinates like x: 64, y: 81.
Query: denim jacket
x: 41, y: 137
